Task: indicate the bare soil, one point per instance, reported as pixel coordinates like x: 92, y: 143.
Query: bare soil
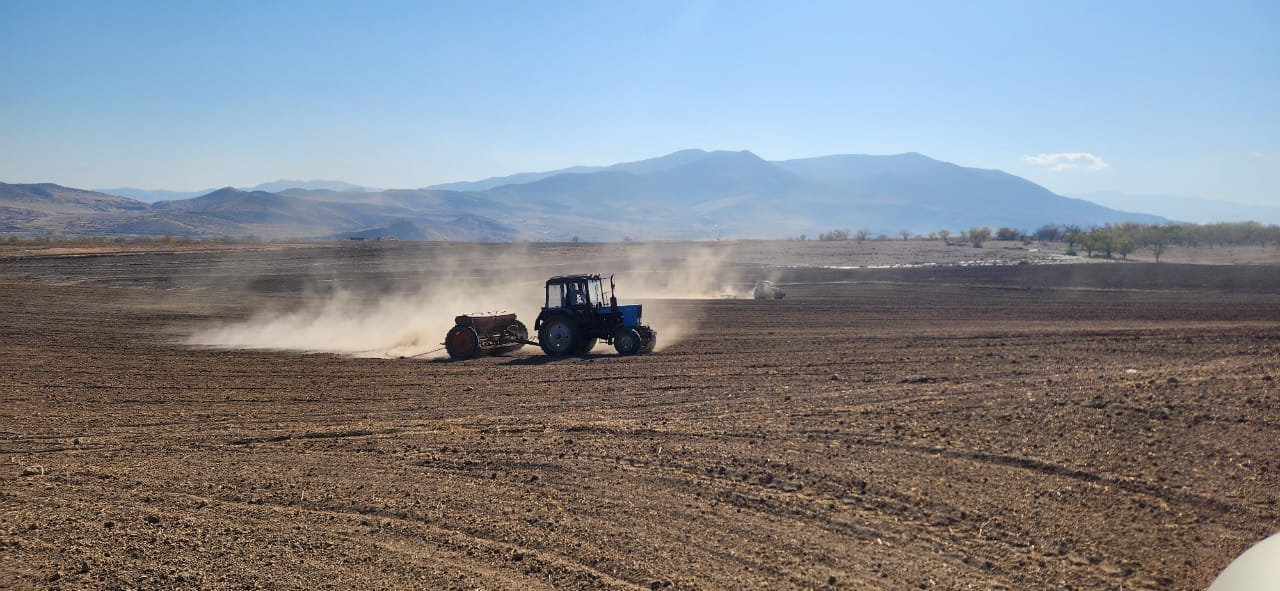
x: 976, y: 426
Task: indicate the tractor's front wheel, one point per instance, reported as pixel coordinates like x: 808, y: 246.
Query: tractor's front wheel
x: 627, y: 341
x: 462, y: 342
x: 650, y: 341
x: 559, y: 337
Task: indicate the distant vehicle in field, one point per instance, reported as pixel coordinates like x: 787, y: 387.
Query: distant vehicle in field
x: 766, y: 290
x: 576, y: 315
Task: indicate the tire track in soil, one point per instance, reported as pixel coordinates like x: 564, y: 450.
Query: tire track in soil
x: 496, y: 550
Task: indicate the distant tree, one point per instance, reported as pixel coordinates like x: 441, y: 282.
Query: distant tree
x: 945, y: 235
x: 933, y: 236
x: 1104, y: 239
x: 1048, y: 233
x: 979, y: 235
x: 881, y: 237
x: 862, y: 234
x: 1072, y: 233
x: 803, y: 237
x: 1157, y: 239
x: 1007, y: 233
x: 1099, y: 240
x: 906, y: 234
x: 1087, y: 242
x: 1157, y: 249
x: 1124, y: 246
x: 575, y: 240
x: 834, y: 235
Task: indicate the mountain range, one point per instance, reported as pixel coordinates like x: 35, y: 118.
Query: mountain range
x: 690, y: 194
x: 154, y: 195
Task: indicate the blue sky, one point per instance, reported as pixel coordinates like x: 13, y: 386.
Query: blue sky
x: 1142, y: 97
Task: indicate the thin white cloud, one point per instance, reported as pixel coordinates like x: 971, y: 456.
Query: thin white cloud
x: 1067, y: 161
x: 1257, y: 154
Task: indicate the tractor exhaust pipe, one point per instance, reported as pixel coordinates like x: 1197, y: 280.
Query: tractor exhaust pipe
x: 613, y: 296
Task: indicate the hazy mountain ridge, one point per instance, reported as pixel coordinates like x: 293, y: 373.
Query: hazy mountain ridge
x: 284, y: 185
x: 706, y: 194
x: 1187, y: 209
x: 155, y: 195
x: 690, y: 194
x: 151, y: 195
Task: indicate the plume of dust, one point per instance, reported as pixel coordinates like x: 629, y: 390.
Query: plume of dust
x: 672, y: 278
x: 404, y: 325
x: 688, y: 271
x: 407, y: 323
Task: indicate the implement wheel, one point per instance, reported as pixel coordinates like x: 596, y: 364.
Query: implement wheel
x: 462, y: 342
x: 519, y: 331
x: 511, y: 339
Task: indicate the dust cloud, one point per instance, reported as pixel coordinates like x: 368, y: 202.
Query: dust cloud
x: 693, y: 272
x: 407, y: 325
x: 410, y: 317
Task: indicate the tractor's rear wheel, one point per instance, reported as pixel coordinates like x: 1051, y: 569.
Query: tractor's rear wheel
x: 462, y: 342
x: 627, y: 341
x: 559, y: 337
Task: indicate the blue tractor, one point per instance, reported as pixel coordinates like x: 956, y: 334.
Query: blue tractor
x: 576, y: 315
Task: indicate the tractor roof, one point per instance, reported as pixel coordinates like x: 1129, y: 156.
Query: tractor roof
x: 572, y: 278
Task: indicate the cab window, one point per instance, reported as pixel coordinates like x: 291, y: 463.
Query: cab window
x: 555, y: 295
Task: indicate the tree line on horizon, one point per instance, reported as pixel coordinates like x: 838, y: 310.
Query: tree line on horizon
x: 1107, y: 240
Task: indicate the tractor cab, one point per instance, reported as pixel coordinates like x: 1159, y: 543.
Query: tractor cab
x: 575, y: 292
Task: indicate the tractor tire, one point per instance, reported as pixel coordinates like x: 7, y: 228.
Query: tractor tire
x: 627, y: 341
x: 586, y: 346
x: 559, y: 337
x: 462, y: 342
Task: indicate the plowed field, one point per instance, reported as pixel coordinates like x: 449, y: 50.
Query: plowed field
x: 1085, y: 426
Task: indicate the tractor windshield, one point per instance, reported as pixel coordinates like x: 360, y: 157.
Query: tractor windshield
x: 573, y: 293
x: 596, y: 293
